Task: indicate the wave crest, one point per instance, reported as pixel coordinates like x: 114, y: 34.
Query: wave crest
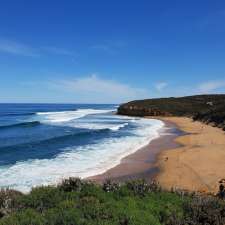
x: 23, y: 125
x: 65, y: 116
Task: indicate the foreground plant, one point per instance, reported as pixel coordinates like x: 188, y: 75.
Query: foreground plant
x: 78, y: 202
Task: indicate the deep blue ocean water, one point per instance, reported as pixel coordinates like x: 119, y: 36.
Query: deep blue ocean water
x: 43, y: 143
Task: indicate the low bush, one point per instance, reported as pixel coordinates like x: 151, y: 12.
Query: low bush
x: 205, y: 210
x: 141, y: 187
x: 8, y: 201
x: 77, y: 202
x: 71, y: 184
x: 110, y: 186
x: 41, y: 198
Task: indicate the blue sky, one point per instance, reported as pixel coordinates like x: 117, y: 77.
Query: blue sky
x: 110, y: 51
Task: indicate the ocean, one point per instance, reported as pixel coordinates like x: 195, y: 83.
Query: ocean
x: 41, y: 144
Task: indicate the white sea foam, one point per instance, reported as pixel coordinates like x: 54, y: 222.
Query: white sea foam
x: 94, y: 125
x: 80, y: 161
x: 65, y: 116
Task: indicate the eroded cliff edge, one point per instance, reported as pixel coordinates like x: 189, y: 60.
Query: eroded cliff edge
x: 209, y: 109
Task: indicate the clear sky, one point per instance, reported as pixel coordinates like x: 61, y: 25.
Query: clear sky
x: 110, y: 51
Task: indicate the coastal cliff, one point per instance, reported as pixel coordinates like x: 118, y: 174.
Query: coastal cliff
x: 209, y: 109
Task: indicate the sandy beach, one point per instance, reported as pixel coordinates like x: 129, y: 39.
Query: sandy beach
x: 199, y: 164
x: 189, y: 155
x: 142, y: 163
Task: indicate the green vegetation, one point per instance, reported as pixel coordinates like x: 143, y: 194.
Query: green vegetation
x: 81, y: 202
x: 206, y: 108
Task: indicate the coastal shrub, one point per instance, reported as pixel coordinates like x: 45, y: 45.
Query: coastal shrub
x: 141, y: 187
x: 221, y: 192
x: 71, y: 184
x: 209, y: 109
x: 110, y: 186
x: 8, y: 201
x: 201, y: 210
x: 41, y: 198
x: 64, y: 214
x: 25, y: 217
x: 77, y: 202
x: 205, y: 210
x: 91, y: 189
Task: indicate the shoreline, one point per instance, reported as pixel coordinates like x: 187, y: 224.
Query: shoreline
x: 142, y: 163
x: 191, y: 158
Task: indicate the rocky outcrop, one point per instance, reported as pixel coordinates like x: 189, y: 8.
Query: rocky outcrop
x: 206, y: 108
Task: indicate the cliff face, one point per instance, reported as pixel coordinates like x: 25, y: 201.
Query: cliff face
x: 206, y: 108
x: 133, y: 110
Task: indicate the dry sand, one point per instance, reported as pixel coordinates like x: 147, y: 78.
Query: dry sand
x: 193, y: 160
x: 199, y: 164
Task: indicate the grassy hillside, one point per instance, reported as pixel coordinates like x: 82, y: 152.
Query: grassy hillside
x: 206, y: 108
x: 75, y: 202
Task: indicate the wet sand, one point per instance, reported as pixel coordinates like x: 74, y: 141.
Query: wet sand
x: 189, y: 155
x: 142, y: 163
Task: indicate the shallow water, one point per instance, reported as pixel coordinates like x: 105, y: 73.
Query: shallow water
x: 42, y: 143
